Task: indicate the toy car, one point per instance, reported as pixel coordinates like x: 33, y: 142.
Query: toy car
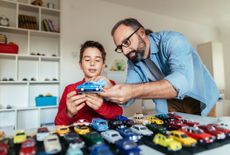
x: 167, y: 141
x: 82, y: 122
x: 62, y: 130
x: 2, y: 135
x: 142, y: 130
x: 198, y: 134
x: 213, y: 131
x: 157, y: 128
x: 99, y: 124
x: 100, y: 149
x: 138, y: 118
x: 90, y: 86
x: 125, y: 120
x: 127, y: 147
x: 73, y: 138
x: 173, y: 115
x: 189, y: 122
x: 114, y: 124
x: 154, y: 119
x: 93, y: 138
x: 183, y: 138
x: 52, y: 144
x: 42, y: 133
x: 175, y: 124
x: 4, y: 149
x: 111, y: 136
x: 74, y: 150
x: 28, y: 147
x: 221, y: 128
x: 19, y: 136
x: 128, y: 134
x: 81, y: 129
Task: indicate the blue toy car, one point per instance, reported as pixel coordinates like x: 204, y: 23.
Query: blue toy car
x: 92, y: 86
x: 127, y: 147
x: 100, y: 149
x: 128, y: 134
x: 127, y: 122
x: 99, y: 124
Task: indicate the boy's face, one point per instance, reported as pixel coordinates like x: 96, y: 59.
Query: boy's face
x: 92, y: 63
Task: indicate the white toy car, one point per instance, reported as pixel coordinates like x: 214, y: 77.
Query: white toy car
x: 141, y: 129
x: 42, y: 133
x: 139, y: 118
x: 111, y: 136
x: 52, y: 144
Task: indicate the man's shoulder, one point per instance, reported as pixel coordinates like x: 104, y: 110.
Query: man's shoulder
x: 166, y: 34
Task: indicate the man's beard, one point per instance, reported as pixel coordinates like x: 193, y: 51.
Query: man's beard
x: 138, y: 54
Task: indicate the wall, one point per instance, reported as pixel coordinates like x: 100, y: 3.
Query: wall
x: 224, y: 38
x: 85, y: 19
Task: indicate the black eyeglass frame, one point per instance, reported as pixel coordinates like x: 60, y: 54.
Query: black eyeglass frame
x: 119, y: 47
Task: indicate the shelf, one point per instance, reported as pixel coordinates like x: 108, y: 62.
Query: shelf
x: 13, y: 82
x: 8, y: 56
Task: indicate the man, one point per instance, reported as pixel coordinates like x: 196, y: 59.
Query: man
x: 184, y: 83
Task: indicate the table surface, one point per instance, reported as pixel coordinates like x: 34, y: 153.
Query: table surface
x: 222, y: 150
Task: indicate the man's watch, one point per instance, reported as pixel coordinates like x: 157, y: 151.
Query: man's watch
x: 4, y: 21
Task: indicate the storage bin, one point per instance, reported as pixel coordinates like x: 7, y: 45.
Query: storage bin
x: 8, y: 48
x: 45, y: 101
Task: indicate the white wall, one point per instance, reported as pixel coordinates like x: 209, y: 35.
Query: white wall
x: 224, y: 38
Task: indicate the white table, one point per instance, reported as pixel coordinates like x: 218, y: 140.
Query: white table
x: 222, y: 150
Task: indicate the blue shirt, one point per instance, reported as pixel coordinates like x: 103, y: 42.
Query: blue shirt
x: 182, y: 67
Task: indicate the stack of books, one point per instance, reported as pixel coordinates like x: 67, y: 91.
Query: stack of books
x: 28, y: 22
x: 3, y: 39
x: 48, y: 25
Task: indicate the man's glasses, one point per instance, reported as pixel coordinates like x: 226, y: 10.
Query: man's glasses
x: 126, y: 42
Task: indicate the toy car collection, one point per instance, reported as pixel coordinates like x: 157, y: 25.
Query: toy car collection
x: 171, y: 135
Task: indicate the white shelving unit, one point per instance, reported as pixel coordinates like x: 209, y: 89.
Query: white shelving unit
x: 29, y: 63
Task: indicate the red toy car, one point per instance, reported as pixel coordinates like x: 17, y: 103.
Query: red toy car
x: 213, y: 131
x: 220, y: 128
x: 173, y: 115
x: 82, y: 122
x: 198, y: 134
x: 3, y: 149
x: 190, y: 122
x: 175, y: 124
x: 28, y: 147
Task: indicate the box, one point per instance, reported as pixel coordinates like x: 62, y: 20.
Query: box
x: 45, y: 101
x: 8, y: 48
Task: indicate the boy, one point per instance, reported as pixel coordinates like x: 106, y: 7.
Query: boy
x: 74, y: 106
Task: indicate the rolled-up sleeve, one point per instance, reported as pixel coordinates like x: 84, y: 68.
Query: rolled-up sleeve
x: 179, y: 54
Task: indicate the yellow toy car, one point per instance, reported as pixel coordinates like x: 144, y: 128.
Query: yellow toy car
x: 19, y: 136
x: 183, y: 138
x: 81, y: 129
x: 2, y: 135
x: 167, y: 141
x: 62, y: 130
x: 155, y: 120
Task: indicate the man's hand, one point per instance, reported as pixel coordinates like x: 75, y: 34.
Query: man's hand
x: 108, y: 83
x: 119, y: 93
x: 74, y: 103
x: 94, y: 101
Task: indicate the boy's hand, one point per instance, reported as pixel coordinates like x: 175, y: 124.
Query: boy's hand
x: 94, y: 101
x: 74, y: 103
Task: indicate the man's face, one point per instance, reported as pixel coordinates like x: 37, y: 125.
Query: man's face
x: 130, y: 42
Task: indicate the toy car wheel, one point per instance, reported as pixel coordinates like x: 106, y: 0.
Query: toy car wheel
x: 82, y: 89
x: 97, y: 89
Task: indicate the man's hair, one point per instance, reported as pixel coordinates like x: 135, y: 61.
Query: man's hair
x: 92, y: 44
x: 131, y: 22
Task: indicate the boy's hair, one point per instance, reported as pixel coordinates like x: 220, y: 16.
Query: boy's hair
x: 131, y: 22
x: 92, y: 44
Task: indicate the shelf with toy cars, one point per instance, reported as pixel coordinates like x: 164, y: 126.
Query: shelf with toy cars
x: 34, y: 68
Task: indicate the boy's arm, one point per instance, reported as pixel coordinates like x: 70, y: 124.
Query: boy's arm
x: 109, y: 110
x: 62, y: 117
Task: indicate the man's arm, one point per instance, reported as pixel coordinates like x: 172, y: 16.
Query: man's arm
x: 121, y: 93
